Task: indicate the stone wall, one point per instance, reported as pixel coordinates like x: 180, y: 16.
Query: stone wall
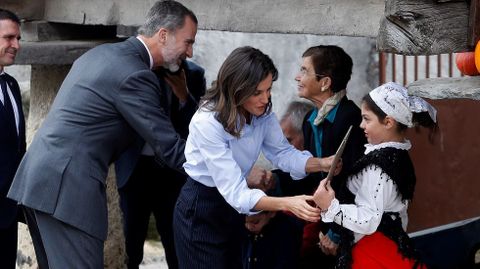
x: 326, y: 17
x: 212, y: 47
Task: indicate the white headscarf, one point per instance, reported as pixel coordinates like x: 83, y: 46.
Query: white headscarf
x: 393, y: 99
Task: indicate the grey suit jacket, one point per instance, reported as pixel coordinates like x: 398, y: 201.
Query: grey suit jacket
x: 195, y: 77
x: 108, y: 97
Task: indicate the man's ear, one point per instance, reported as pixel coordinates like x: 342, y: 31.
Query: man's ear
x: 162, y: 35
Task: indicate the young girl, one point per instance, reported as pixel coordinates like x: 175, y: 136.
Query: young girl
x: 227, y: 133
x: 382, y: 182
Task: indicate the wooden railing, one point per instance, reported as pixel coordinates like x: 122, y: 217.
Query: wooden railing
x: 406, y: 69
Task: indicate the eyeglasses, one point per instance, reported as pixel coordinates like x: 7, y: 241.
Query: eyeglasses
x: 304, y: 72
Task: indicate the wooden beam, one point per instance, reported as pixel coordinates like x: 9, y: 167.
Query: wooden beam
x: 423, y: 27
x: 474, y: 24
x: 49, y: 31
x: 444, y: 1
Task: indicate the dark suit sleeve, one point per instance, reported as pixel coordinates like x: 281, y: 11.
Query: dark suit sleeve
x: 196, y: 86
x: 140, y: 103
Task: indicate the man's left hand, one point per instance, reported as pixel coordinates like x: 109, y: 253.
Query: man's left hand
x: 260, y: 178
x: 178, y: 83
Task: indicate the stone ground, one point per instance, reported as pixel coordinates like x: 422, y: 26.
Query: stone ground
x: 154, y: 256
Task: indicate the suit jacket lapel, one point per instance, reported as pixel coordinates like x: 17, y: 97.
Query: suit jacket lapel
x: 15, y: 90
x: 21, y: 117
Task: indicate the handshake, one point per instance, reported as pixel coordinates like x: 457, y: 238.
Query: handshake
x: 269, y: 182
x: 260, y: 178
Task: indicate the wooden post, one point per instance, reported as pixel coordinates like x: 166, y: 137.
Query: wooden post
x: 382, y: 64
x: 424, y: 27
x: 474, y: 24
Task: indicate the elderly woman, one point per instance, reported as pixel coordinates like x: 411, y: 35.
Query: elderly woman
x: 322, y: 79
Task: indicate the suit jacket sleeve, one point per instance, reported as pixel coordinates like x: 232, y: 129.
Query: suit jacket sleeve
x: 140, y: 103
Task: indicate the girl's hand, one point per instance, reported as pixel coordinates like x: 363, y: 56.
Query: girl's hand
x: 324, y: 195
x: 326, y: 245
x: 301, y: 206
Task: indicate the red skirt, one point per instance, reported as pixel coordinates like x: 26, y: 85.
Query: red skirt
x: 377, y: 251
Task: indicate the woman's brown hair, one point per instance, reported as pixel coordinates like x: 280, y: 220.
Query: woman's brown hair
x: 237, y: 80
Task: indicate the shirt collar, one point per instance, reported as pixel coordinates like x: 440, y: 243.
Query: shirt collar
x: 406, y: 145
x: 149, y: 54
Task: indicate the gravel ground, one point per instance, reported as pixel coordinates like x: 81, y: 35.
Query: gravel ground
x: 154, y: 256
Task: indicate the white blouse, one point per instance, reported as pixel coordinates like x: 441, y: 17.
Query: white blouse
x: 217, y: 159
x: 375, y: 193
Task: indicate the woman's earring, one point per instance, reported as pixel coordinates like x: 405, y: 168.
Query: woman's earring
x: 324, y: 88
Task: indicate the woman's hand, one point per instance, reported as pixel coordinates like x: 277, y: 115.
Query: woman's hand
x: 324, y: 195
x: 301, y: 206
x: 327, y: 163
x: 322, y: 165
x: 326, y: 245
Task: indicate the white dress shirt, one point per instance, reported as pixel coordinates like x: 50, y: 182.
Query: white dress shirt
x: 147, y: 150
x: 375, y: 193
x: 12, y: 100
x: 217, y: 159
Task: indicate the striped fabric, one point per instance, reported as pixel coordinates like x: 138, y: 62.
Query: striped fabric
x: 208, y: 233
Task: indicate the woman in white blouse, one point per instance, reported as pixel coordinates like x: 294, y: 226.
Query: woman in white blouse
x: 374, y: 218
x: 232, y: 126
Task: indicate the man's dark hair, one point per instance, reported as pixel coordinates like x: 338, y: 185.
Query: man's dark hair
x: 8, y: 15
x: 166, y: 14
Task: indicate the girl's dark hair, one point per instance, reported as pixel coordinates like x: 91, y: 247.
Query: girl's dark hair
x: 237, y: 80
x: 418, y: 118
x: 331, y: 61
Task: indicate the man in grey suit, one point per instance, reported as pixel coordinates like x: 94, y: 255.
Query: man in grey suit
x: 109, y: 96
x: 148, y: 188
